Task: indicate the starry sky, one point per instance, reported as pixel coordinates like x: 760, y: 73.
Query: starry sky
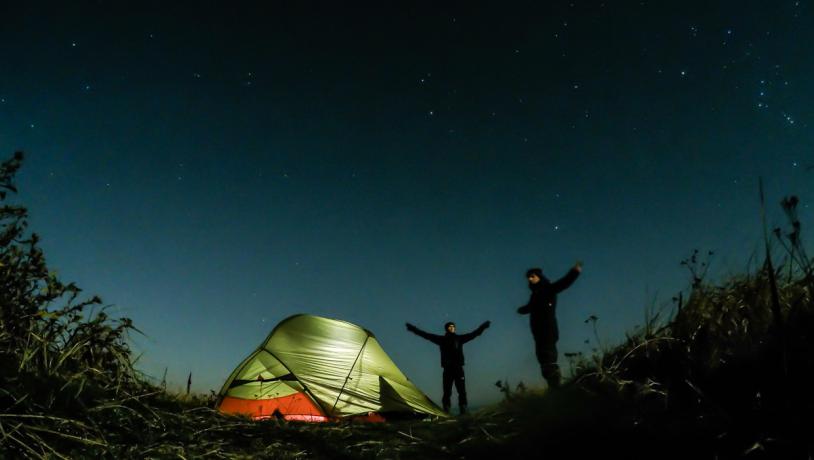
x: 209, y: 169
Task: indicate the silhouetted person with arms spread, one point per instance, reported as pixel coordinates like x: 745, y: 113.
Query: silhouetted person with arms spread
x: 542, y: 316
x: 452, y: 359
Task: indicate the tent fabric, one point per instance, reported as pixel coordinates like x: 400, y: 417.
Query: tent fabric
x: 311, y: 367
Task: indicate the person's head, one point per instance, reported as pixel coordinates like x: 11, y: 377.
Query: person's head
x: 534, y: 275
x: 450, y: 327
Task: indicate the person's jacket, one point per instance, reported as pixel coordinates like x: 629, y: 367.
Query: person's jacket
x: 542, y: 306
x: 452, y: 345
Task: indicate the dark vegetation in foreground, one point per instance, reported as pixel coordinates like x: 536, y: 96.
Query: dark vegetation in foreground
x: 727, y: 376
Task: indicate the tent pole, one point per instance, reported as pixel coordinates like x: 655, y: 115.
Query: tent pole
x: 349, y: 373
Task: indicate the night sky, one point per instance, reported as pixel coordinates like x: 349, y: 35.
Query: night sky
x: 210, y: 170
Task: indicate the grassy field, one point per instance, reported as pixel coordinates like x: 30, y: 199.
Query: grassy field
x: 725, y: 374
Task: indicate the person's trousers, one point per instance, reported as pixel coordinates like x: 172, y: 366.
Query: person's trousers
x: 454, y: 375
x: 546, y: 349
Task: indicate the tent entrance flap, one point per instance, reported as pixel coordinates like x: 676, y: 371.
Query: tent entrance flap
x: 391, y: 400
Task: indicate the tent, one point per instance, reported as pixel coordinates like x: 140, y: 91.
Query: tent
x: 311, y: 368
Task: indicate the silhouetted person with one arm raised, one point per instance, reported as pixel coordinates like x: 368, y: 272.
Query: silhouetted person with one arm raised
x: 452, y: 359
x: 542, y: 316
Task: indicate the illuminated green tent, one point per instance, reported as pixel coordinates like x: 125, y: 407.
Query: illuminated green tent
x: 315, y: 369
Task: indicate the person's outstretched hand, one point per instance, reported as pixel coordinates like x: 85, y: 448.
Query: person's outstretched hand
x: 578, y: 266
x: 486, y: 324
x: 410, y: 327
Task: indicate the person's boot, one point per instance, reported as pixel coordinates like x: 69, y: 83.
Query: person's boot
x: 446, y: 409
x: 462, y: 409
x: 552, y: 376
x: 556, y: 380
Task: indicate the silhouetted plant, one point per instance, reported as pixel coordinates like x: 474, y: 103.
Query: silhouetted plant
x: 58, y: 354
x: 737, y: 354
x: 698, y: 268
x: 506, y: 388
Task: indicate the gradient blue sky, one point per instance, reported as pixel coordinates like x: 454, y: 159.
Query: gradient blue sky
x: 212, y: 169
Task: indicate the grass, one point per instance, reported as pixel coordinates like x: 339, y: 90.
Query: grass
x: 725, y: 375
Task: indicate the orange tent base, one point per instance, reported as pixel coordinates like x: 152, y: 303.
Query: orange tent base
x: 296, y: 404
x: 297, y: 418
x: 296, y: 407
